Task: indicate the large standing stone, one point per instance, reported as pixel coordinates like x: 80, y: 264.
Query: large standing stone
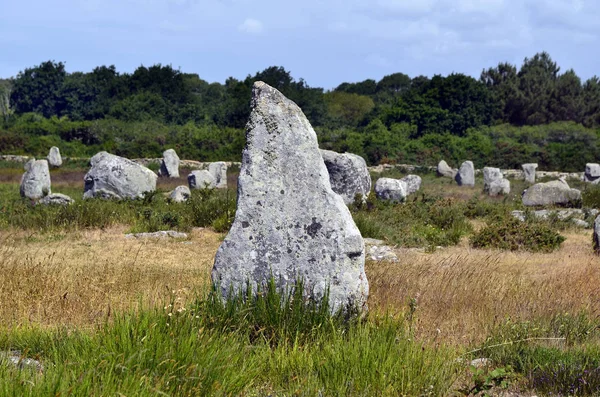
x: 413, y: 183
x: 169, y: 166
x: 54, y: 158
x: 201, y: 179
x: 289, y: 223
x: 466, y: 174
x: 348, y: 174
x: 597, y: 235
x: 391, y: 189
x: 117, y: 177
x: 592, y: 173
x: 529, y: 171
x: 550, y: 193
x: 35, y: 182
x: 180, y: 194
x: 443, y: 169
x: 219, y: 173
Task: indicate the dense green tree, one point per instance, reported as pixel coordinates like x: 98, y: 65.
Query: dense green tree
x: 537, y: 80
x: 5, y: 90
x: 347, y: 109
x: 38, y: 89
x: 591, y: 102
x: 566, y: 101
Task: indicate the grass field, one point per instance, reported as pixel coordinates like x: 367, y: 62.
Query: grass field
x: 108, y: 315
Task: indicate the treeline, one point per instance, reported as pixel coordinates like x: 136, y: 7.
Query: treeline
x: 508, y: 116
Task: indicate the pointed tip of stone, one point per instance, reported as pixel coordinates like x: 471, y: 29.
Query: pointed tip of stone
x: 261, y: 89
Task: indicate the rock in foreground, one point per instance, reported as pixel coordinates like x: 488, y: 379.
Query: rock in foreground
x: 117, y: 177
x: 550, y: 193
x: 348, y: 174
x: 35, y: 182
x: 289, y: 223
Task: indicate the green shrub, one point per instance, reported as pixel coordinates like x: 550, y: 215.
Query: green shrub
x: 590, y: 196
x: 508, y: 233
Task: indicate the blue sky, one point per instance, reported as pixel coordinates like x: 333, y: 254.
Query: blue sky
x: 324, y: 41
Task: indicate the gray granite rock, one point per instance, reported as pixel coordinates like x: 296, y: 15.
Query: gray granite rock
x: 466, y: 174
x: 219, y: 172
x: 391, y: 189
x: 16, y: 360
x: 550, y: 193
x: 413, y: 183
x: 499, y: 187
x: 490, y: 174
x: 529, y: 172
x: 201, y: 179
x: 597, y: 235
x: 180, y: 194
x: 117, y: 177
x: 56, y: 199
x: 592, y: 173
x: 54, y: 158
x: 35, y: 182
x: 158, y: 235
x: 348, y: 174
x: 169, y: 165
x: 443, y: 169
x: 289, y: 223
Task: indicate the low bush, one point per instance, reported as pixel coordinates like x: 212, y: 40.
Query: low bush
x: 509, y: 233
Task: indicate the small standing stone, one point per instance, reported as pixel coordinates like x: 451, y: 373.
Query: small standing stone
x: 54, y: 158
x: 201, y: 179
x: 597, y: 235
x: 219, y: 172
x: 169, y: 166
x: 529, y: 172
x: 180, y: 194
x: 348, y: 174
x: 391, y: 189
x: 466, y: 174
x: 35, y: 182
x: 443, y: 169
x: 413, y: 183
x: 592, y: 173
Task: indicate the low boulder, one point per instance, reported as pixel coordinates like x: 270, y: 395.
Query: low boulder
x: 529, y: 172
x: 219, y: 172
x: 466, y: 174
x: 413, y: 183
x: 443, y: 169
x: 201, y: 179
x: 169, y: 165
x: 54, y: 158
x: 348, y: 174
x: 180, y: 194
x: 391, y: 189
x: 117, y: 177
x: 550, y: 193
x: 56, y: 199
x: 35, y: 182
x: 499, y: 187
x: 592, y: 173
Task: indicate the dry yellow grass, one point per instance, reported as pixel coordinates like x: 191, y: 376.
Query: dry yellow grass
x: 81, y: 278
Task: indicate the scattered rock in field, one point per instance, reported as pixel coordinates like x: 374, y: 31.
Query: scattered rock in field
x: 466, y: 174
x: 391, y: 189
x: 160, y: 234
x: 219, y: 172
x: 577, y: 215
x: 373, y: 241
x: 499, y: 187
x: 35, y: 182
x: 201, y: 179
x: 413, y: 183
x: 348, y: 174
x: 56, y: 199
x: 180, y: 194
x: 289, y: 223
x: 581, y: 223
x: 117, y: 177
x: 54, y: 158
x: 443, y: 169
x: 550, y: 193
x: 169, y: 165
x: 592, y: 173
x: 529, y: 172
x: 14, y: 358
x: 481, y: 362
x: 597, y: 235
x: 378, y: 251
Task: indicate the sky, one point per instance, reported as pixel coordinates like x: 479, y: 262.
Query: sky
x: 326, y: 42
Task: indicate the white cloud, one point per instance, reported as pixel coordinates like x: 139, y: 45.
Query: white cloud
x: 252, y: 26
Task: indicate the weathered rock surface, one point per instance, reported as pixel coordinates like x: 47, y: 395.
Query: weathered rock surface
x: 391, y: 189
x: 201, y: 179
x: 169, y: 165
x: 550, y: 193
x: 54, y: 158
x: 15, y: 359
x: 117, y: 177
x: 592, y: 173
x: 499, y: 187
x: 289, y: 223
x: 529, y: 172
x: 413, y: 183
x: 348, y: 174
x: 577, y: 216
x: 378, y: 251
x: 56, y: 199
x: 597, y: 235
x: 159, y: 234
x: 466, y: 174
x: 219, y: 172
x: 490, y: 174
x: 35, y: 182
x: 443, y: 169
x: 180, y: 194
